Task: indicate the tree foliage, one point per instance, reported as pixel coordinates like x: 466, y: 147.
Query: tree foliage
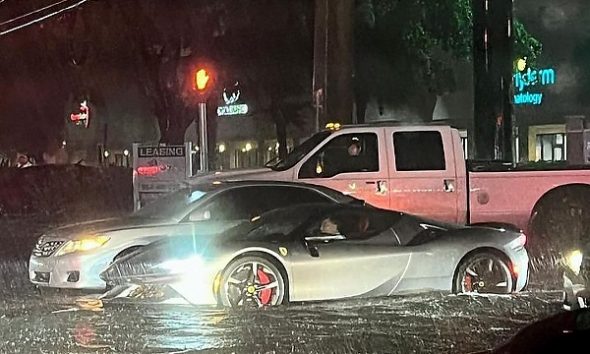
x: 432, y: 37
x: 266, y: 44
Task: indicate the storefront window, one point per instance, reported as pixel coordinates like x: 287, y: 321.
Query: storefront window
x: 551, y: 147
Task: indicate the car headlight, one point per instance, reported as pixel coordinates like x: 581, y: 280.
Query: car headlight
x: 82, y: 245
x: 574, y: 261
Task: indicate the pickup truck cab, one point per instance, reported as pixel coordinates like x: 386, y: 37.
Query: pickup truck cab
x: 419, y: 170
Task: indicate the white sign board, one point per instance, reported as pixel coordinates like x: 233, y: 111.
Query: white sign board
x: 159, y: 170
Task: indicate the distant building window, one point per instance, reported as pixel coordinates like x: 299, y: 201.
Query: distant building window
x: 551, y: 147
x: 419, y: 151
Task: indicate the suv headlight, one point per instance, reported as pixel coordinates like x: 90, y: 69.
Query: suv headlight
x: 574, y: 261
x: 82, y: 245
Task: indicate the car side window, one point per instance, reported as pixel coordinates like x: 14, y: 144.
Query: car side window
x: 419, y: 151
x: 354, y: 224
x: 347, y: 153
x: 248, y: 202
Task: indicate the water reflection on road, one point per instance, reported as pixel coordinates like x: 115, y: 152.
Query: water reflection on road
x: 431, y: 323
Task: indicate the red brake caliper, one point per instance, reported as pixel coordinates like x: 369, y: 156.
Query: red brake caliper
x: 468, y: 283
x: 266, y: 293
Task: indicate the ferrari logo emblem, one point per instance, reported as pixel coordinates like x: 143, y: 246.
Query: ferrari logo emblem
x: 283, y: 251
x: 352, y: 186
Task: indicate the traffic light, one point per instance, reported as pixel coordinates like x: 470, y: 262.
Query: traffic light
x: 202, y: 80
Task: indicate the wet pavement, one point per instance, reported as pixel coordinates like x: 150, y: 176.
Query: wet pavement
x: 433, y: 323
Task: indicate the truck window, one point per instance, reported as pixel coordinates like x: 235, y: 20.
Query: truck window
x: 347, y: 153
x: 419, y: 151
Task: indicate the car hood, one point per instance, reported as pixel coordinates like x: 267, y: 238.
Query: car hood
x: 106, y: 225
x: 240, y: 174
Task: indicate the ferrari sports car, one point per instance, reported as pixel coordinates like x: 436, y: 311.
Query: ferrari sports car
x: 318, y: 252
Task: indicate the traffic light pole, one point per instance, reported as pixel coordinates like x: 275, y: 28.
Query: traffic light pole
x: 203, y: 144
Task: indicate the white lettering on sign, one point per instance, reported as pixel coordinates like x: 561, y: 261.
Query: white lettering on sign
x: 232, y: 110
x: 168, y: 151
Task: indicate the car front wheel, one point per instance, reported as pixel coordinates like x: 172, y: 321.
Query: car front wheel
x: 252, y: 281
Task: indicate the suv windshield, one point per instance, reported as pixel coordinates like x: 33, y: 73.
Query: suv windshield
x: 278, y: 164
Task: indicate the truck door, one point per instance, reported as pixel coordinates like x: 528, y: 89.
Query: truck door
x: 422, y: 173
x: 354, y: 163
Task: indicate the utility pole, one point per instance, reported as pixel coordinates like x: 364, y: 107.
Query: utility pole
x: 333, y: 62
x: 492, y: 75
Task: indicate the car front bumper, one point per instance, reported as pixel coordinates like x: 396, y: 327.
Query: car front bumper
x: 73, y: 271
x: 520, y: 268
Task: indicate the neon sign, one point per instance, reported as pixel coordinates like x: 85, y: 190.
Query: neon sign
x: 83, y: 117
x: 525, y: 82
x: 231, y: 108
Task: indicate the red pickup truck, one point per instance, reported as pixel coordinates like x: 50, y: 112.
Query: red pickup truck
x: 422, y: 170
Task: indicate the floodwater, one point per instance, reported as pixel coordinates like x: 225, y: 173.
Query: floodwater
x: 432, y: 323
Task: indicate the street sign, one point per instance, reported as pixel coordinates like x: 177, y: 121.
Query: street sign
x: 159, y: 170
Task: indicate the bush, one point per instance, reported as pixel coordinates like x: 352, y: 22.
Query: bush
x: 66, y: 190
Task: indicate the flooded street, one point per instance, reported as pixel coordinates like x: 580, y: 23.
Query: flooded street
x: 433, y: 323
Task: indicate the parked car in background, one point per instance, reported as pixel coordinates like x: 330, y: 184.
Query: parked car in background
x: 326, y: 252
x: 74, y: 256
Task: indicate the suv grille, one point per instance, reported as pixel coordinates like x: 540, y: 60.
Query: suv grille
x: 45, y: 247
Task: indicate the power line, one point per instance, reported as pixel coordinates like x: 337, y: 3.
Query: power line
x: 31, y: 13
x: 42, y: 18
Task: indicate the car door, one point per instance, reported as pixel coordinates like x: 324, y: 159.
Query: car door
x: 422, y: 177
x: 332, y: 265
x: 360, y: 172
x: 243, y: 203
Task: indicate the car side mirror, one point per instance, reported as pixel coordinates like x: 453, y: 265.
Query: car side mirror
x: 199, y: 215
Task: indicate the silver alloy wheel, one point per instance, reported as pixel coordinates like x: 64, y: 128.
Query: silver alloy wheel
x: 486, y: 274
x: 252, y: 282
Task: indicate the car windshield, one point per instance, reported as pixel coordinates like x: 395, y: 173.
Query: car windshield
x: 279, y: 221
x: 278, y: 164
x: 171, y: 205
